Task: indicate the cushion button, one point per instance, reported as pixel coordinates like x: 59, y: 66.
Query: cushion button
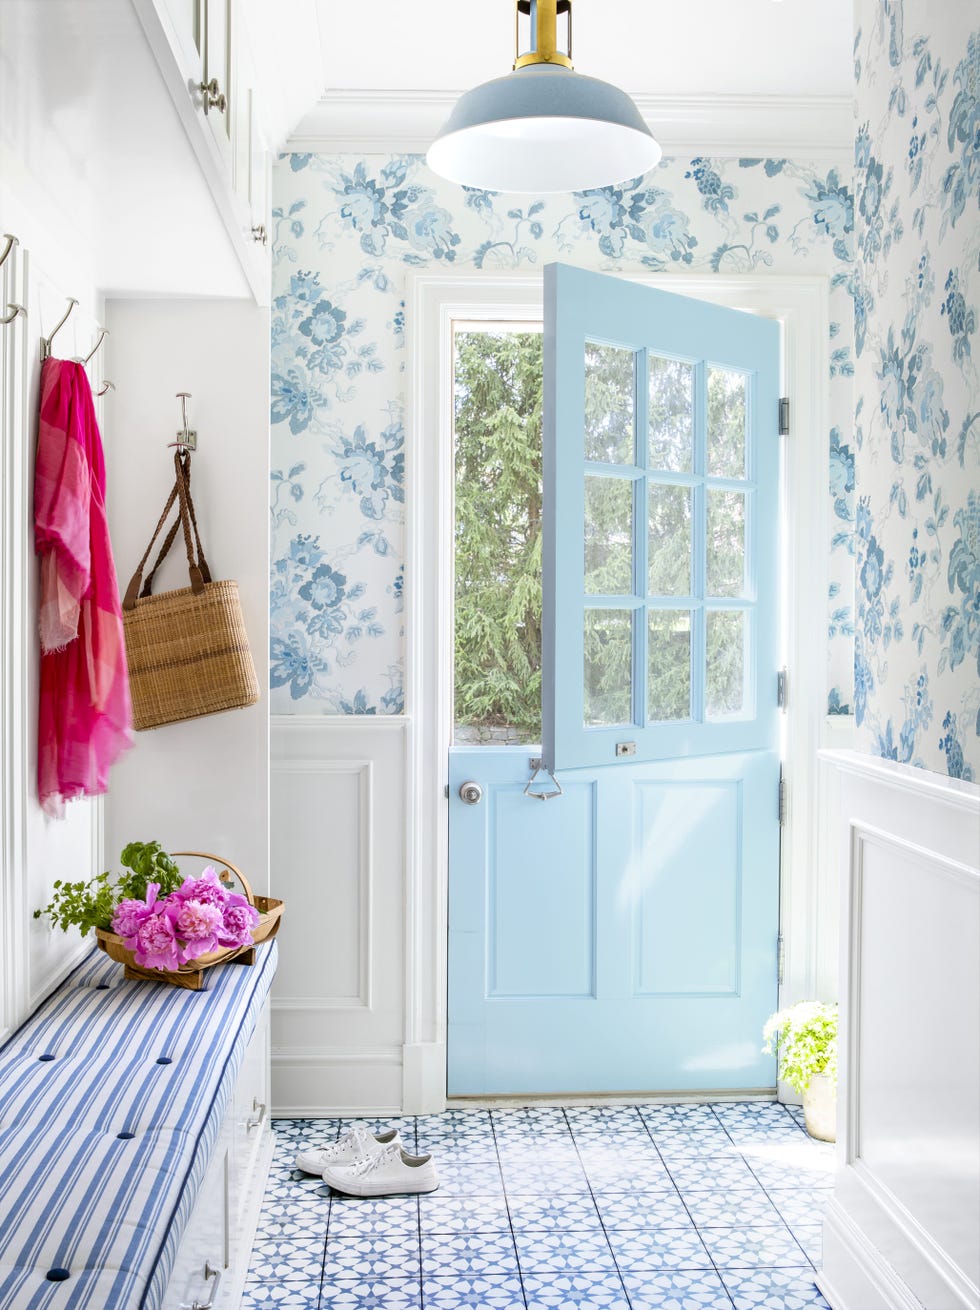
x: 125, y: 1137
x: 164, y: 1059
x: 45, y: 1058
x: 57, y: 1275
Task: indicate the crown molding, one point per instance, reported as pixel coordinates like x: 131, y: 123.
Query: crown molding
x: 405, y: 122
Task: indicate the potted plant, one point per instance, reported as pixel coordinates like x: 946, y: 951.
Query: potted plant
x: 805, y: 1037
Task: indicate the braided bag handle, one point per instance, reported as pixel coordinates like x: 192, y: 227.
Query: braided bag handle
x: 197, y: 569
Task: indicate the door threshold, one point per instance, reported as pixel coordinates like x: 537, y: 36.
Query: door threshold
x: 560, y: 1100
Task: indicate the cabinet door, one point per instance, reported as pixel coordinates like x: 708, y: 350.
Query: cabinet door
x: 218, y: 69
x: 187, y: 36
x: 205, y: 1244
x: 258, y: 179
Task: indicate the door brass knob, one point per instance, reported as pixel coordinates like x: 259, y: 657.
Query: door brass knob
x: 471, y: 793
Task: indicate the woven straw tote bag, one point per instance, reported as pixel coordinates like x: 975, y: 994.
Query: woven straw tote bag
x: 187, y: 650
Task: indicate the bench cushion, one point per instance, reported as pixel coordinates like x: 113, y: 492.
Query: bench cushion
x: 111, y: 1099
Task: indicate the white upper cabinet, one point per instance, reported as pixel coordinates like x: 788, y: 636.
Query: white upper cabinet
x: 237, y: 95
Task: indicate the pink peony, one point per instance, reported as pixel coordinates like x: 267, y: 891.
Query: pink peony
x: 239, y: 920
x: 155, y: 945
x: 207, y: 889
x: 198, y: 925
x: 128, y: 916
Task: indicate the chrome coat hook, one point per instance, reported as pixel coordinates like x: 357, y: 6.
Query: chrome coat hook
x: 106, y: 388
x: 103, y: 333
x: 17, y: 309
x: 46, y: 341
x: 186, y: 437
x: 11, y: 241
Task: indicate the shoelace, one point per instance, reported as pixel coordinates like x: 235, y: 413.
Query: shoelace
x: 372, y: 1162
x: 356, y: 1137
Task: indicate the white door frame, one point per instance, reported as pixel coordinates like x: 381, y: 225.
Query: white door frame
x: 434, y: 301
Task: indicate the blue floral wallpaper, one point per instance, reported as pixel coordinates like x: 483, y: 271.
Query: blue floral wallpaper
x: 346, y: 233
x: 916, y: 465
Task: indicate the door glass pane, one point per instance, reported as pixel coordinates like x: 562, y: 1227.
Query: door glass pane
x: 669, y: 665
x: 726, y: 423
x: 608, y: 667
x: 609, y: 403
x: 726, y: 543
x: 671, y: 414
x: 609, y: 536
x: 725, y: 674
x: 670, y: 540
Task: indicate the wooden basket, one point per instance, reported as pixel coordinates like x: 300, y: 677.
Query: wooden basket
x: 191, y: 975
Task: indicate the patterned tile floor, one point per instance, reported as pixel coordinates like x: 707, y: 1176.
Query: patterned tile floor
x: 681, y: 1207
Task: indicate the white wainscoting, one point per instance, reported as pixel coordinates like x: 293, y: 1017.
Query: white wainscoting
x: 903, y: 1228
x: 338, y: 861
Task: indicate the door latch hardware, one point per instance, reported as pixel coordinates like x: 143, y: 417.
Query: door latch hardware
x: 537, y: 768
x: 784, y: 416
x: 471, y: 793
x: 625, y: 748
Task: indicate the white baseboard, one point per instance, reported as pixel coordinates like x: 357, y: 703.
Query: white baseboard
x: 336, y: 1081
x: 862, y: 1278
x: 424, y: 1078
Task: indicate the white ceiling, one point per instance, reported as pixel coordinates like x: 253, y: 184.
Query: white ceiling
x: 682, y: 48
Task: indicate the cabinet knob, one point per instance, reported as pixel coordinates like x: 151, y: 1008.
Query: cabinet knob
x: 213, y: 98
x: 260, y: 234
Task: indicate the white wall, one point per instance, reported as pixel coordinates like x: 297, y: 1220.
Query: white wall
x: 903, y: 1228
x: 202, y: 784
x: 34, y: 850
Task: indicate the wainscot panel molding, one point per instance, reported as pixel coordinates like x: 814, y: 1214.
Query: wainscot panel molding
x: 338, y: 861
x: 810, y: 127
x: 903, y: 1229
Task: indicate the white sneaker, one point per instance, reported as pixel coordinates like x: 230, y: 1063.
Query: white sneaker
x: 391, y: 1172
x: 355, y: 1145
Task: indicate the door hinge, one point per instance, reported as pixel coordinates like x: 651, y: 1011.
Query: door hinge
x: 780, y: 959
x: 781, y: 689
x: 784, y: 416
x: 782, y: 799
x: 446, y: 791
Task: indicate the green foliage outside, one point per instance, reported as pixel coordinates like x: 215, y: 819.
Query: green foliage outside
x: 498, y: 390
x: 87, y: 905
x: 805, y: 1036
x: 498, y: 531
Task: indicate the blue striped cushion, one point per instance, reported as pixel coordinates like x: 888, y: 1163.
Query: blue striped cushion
x: 76, y: 1196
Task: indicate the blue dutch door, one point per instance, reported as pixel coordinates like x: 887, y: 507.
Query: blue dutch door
x: 622, y: 936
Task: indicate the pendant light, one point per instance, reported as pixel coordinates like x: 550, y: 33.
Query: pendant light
x: 543, y: 127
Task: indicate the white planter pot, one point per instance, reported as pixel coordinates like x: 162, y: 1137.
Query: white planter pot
x: 820, y: 1108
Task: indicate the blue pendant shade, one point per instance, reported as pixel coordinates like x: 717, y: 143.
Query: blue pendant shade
x: 543, y: 128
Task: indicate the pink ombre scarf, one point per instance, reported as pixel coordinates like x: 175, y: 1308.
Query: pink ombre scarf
x: 84, y: 715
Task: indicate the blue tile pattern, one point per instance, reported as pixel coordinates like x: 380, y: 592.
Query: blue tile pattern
x: 674, y: 1207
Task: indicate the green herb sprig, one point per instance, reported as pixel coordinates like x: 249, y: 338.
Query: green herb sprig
x: 90, y: 904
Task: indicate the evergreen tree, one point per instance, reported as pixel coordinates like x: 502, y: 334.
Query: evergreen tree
x: 498, y: 530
